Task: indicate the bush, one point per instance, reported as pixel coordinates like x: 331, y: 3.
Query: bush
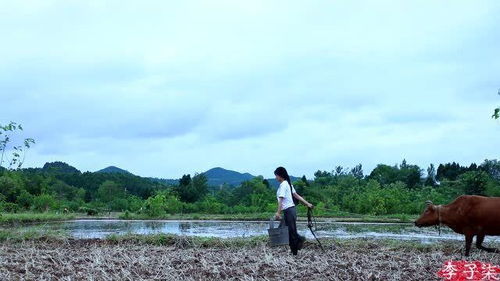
x: 474, y: 182
x: 88, y: 211
x: 44, y: 202
x: 126, y: 215
x: 134, y: 203
x: 155, y: 206
x: 25, y: 200
x: 210, y: 205
x: 172, y: 205
x: 9, y: 207
x: 119, y: 204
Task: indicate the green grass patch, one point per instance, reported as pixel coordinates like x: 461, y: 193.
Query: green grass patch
x: 6, y: 218
x: 33, y: 233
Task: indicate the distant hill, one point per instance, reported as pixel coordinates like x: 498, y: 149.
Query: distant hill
x: 165, y: 181
x: 274, y: 183
x: 219, y: 176
x: 60, y: 168
x: 215, y: 177
x: 113, y: 169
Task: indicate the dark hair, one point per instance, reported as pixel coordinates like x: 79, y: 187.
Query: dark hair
x: 280, y: 171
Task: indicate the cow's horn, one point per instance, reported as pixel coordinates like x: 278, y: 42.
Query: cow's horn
x: 428, y: 202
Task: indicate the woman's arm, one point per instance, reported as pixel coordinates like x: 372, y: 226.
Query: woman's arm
x: 296, y: 195
x: 278, y: 212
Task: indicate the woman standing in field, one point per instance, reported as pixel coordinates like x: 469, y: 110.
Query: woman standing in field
x: 287, y: 205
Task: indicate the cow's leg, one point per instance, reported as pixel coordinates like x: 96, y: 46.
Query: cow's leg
x: 479, y: 244
x: 468, y: 243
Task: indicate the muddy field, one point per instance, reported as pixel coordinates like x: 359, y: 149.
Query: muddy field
x: 181, y: 260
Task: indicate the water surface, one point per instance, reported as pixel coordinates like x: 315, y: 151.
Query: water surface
x: 228, y: 229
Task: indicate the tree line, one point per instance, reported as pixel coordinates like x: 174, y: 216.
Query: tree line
x: 387, y: 189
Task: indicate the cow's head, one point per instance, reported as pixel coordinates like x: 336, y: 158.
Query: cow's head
x: 430, y: 216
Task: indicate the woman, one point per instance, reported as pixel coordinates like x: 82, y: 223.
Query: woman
x: 285, y: 203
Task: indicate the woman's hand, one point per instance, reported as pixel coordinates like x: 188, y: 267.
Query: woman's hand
x: 277, y: 216
x: 309, y: 205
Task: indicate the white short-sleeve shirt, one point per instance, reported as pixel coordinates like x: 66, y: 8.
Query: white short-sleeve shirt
x: 284, y: 191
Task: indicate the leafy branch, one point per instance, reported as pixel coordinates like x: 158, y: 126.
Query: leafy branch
x: 496, y: 112
x: 18, y: 151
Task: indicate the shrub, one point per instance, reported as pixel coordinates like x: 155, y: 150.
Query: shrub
x: 44, y: 202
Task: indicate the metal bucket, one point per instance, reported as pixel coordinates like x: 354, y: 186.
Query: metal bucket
x: 277, y: 235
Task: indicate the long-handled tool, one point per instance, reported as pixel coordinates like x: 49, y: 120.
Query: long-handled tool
x: 311, y: 222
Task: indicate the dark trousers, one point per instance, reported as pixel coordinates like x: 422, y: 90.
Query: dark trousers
x: 290, y: 218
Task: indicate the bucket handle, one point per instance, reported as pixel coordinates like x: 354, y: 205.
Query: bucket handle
x: 272, y: 220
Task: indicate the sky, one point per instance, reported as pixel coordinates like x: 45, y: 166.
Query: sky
x: 165, y: 88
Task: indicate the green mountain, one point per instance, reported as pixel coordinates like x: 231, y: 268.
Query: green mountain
x: 274, y: 183
x: 114, y: 170
x: 215, y: 177
x: 219, y: 176
x: 59, y: 168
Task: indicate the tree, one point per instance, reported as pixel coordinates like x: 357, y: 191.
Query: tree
x: 322, y: 177
x: 185, y: 180
x: 492, y: 167
x: 385, y: 174
x: 118, y: 204
x: 44, y: 202
x: 474, y: 182
x: 60, y: 167
x: 65, y: 191
x: 339, y: 171
x: 134, y: 203
x: 357, y: 171
x: 24, y: 200
x: 450, y: 171
x: 10, y: 187
x: 252, y: 193
x: 410, y: 174
x: 19, y: 151
x: 192, y: 190
x: 109, y: 190
x: 173, y: 204
x: 266, y: 183
x: 496, y: 112
x: 431, y: 176
x: 304, y: 180
x: 155, y: 205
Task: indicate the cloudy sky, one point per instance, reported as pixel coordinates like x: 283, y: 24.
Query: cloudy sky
x: 162, y: 88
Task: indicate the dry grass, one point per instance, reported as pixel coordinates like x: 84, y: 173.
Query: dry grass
x: 187, y: 259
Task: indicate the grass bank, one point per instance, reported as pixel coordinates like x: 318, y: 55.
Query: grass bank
x: 9, y: 218
x: 31, y: 234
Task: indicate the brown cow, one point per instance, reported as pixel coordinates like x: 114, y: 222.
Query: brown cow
x: 470, y: 215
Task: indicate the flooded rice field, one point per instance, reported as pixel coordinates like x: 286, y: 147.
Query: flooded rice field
x: 233, y: 229
x: 354, y: 251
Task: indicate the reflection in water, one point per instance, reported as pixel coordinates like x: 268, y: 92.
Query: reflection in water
x: 184, y: 226
x: 226, y: 229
